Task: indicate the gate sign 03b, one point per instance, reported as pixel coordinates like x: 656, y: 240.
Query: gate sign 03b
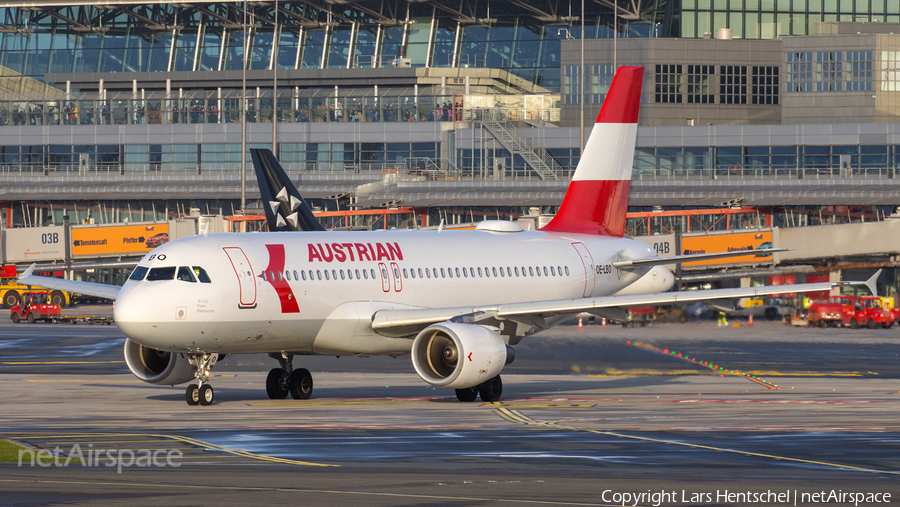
x: 31, y: 244
x: 118, y: 239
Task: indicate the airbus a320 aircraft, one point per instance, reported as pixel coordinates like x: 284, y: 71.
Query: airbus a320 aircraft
x: 457, y: 302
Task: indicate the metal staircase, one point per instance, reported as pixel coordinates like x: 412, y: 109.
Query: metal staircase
x: 498, y: 124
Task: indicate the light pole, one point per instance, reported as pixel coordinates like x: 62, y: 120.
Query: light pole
x: 244, y: 115
x: 275, y: 40
x: 582, y: 81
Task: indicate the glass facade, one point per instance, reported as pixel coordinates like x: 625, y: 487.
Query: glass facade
x: 523, y: 40
x: 768, y: 19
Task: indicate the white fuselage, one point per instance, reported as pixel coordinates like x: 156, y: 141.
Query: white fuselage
x: 316, y: 292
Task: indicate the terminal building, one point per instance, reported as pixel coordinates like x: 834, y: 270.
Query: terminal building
x: 131, y: 111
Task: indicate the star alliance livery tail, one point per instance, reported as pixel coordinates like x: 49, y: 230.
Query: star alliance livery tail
x: 597, y: 198
x: 285, y: 209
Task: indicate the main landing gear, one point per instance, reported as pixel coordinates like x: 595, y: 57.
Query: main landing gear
x: 489, y: 390
x: 286, y: 379
x: 201, y: 393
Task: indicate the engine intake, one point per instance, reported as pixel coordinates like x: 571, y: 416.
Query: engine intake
x: 459, y: 356
x: 155, y: 366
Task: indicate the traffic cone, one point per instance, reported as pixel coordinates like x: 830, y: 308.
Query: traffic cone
x: 580, y: 325
x: 750, y: 323
x: 603, y: 322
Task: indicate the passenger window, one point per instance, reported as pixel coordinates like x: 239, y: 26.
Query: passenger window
x: 311, y: 278
x: 201, y: 275
x: 427, y: 273
x: 357, y: 274
x: 326, y: 275
x: 559, y: 270
x: 404, y: 273
x: 479, y: 273
x: 157, y: 274
x: 501, y: 272
x: 372, y: 272
x: 287, y: 275
x: 396, y: 273
x: 139, y: 273
x: 319, y: 274
x: 435, y: 272
x: 185, y: 275
x: 384, y: 273
x: 545, y: 271
x: 508, y: 272
x: 263, y: 275
x: 457, y: 272
x: 567, y: 270
x: 333, y: 274
x: 420, y: 272
x: 303, y: 273
x: 279, y: 276
x: 442, y: 272
x: 552, y: 271
x: 471, y: 272
x: 349, y: 274
x: 342, y: 274
x: 517, y: 270
x: 365, y: 274
x: 465, y: 273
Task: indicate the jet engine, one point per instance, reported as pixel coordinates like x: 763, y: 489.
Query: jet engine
x: 155, y: 366
x: 459, y: 356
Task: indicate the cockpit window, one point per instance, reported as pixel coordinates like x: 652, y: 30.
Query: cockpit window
x: 156, y: 274
x: 139, y: 273
x: 185, y: 275
x: 201, y: 275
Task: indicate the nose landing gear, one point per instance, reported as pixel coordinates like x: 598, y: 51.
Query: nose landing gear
x: 201, y: 393
x: 284, y: 380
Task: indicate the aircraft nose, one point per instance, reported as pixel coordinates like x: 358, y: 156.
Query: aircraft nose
x: 132, y: 314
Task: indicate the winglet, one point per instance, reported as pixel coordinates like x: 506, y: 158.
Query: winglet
x: 30, y: 271
x: 870, y: 283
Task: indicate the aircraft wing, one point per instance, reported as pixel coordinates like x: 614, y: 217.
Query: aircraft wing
x: 48, y: 282
x: 541, y: 314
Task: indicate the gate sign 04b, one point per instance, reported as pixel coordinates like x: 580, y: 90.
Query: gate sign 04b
x: 30, y: 244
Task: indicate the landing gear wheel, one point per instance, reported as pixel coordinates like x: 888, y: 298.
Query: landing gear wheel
x: 192, y: 395
x: 273, y: 385
x: 301, y: 384
x: 16, y: 318
x: 31, y: 318
x: 469, y: 394
x: 206, y: 395
x: 490, y: 390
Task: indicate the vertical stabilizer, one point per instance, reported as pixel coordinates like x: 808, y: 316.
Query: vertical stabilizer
x: 285, y: 209
x: 597, y: 198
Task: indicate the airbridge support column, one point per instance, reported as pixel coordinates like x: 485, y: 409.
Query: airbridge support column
x: 835, y: 276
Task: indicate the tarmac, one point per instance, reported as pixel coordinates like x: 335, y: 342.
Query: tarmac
x: 673, y: 414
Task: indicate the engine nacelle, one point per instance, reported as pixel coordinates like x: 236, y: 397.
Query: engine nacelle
x: 459, y: 356
x: 155, y: 366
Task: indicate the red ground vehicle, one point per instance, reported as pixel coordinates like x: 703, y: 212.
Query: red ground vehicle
x: 876, y: 315
x: 852, y: 311
x: 34, y: 306
x: 828, y: 313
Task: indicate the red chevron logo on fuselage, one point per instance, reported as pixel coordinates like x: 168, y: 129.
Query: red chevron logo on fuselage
x: 274, y: 274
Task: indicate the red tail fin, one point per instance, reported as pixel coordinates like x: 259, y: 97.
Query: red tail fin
x: 597, y: 198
